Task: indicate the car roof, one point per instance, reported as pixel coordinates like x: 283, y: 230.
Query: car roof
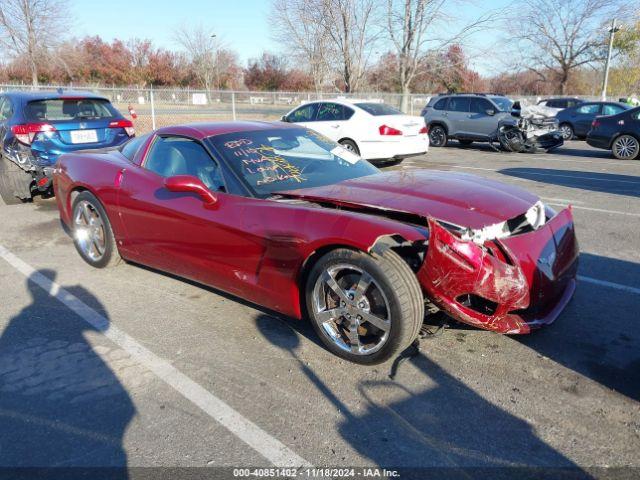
x: 46, y: 95
x: 202, y: 130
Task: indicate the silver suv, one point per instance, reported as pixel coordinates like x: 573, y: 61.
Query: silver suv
x: 468, y: 117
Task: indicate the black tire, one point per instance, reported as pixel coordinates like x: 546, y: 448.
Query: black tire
x: 567, y: 131
x: 465, y: 143
x: 437, y: 136
x: 350, y: 145
x: 110, y: 256
x: 15, y: 183
x: 393, y: 282
x: 626, y: 147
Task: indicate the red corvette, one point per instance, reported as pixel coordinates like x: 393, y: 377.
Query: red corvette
x: 287, y: 219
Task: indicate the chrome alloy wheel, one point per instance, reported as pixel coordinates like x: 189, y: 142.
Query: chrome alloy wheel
x: 89, y: 231
x: 352, y: 309
x: 626, y: 147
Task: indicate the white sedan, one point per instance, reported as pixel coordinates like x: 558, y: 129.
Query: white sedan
x: 375, y: 131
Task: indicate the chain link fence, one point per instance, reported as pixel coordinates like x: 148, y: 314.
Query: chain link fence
x: 155, y: 108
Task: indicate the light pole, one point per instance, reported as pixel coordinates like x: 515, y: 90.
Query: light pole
x: 612, y: 32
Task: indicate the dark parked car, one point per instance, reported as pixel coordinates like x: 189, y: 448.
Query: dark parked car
x: 576, y: 121
x: 37, y: 127
x: 466, y: 117
x: 619, y: 133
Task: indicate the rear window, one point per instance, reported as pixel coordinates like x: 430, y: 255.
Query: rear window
x: 378, y: 109
x: 58, y: 109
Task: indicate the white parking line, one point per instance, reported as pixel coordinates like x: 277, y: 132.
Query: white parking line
x: 604, y: 283
x: 591, y: 209
x: 263, y: 443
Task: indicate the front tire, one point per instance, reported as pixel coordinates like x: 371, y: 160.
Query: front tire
x: 567, y: 131
x: 365, y: 308
x: 626, y: 147
x: 15, y: 183
x: 92, y: 233
x: 437, y: 136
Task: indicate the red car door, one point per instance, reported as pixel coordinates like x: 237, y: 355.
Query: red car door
x: 179, y: 233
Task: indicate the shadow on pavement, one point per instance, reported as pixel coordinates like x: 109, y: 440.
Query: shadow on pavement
x: 597, y: 335
x: 627, y: 185
x: 60, y: 404
x: 444, y: 431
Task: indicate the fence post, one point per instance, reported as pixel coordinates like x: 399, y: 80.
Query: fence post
x: 233, y: 105
x: 153, y: 108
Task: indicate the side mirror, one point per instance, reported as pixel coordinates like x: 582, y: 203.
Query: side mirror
x: 284, y: 118
x: 490, y: 111
x: 188, y: 183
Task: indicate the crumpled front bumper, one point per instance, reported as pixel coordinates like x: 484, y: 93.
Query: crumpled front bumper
x: 513, y: 285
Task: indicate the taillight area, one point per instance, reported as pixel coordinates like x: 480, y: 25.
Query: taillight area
x: 124, y: 123
x: 26, y: 132
x: 424, y: 130
x: 387, y: 130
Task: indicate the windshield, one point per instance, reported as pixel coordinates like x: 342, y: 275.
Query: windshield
x: 275, y: 160
x: 503, y: 103
x: 378, y: 109
x: 58, y: 109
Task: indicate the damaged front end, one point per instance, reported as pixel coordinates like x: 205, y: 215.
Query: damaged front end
x: 510, y: 278
x: 534, y: 129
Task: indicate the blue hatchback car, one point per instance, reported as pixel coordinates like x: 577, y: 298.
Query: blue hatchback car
x: 37, y: 127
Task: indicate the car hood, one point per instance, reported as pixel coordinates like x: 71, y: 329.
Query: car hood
x: 457, y: 198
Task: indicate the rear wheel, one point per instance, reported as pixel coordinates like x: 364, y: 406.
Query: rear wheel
x: 437, y: 136
x: 15, y: 183
x: 567, y: 131
x: 365, y: 308
x: 350, y: 145
x: 626, y: 147
x: 92, y: 234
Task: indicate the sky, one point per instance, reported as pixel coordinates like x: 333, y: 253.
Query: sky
x: 242, y: 25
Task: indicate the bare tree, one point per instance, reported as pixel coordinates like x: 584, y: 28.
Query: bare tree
x: 557, y: 37
x: 205, y: 52
x: 351, y: 27
x: 413, y: 28
x: 32, y: 29
x: 298, y: 24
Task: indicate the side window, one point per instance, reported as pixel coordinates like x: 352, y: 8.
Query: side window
x: 552, y: 104
x: 169, y: 156
x: 480, y: 105
x: 589, y: 108
x: 440, y: 104
x: 130, y: 148
x: 5, y: 109
x: 572, y: 103
x: 329, y: 112
x: 459, y: 104
x: 612, y: 109
x: 348, y: 112
x: 305, y: 113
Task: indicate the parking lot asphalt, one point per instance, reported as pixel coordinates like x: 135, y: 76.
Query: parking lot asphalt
x: 128, y: 366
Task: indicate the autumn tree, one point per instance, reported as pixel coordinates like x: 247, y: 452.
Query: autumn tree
x: 31, y: 29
